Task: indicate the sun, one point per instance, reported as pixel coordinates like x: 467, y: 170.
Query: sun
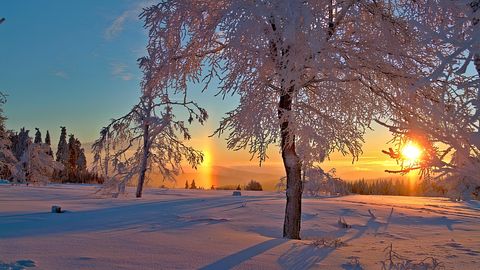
x: 411, y: 152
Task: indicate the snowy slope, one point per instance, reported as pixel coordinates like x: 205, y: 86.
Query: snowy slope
x: 184, y: 229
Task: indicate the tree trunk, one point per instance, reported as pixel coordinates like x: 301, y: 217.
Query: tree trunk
x: 292, y: 163
x: 476, y: 61
x: 475, y: 5
x: 143, y: 165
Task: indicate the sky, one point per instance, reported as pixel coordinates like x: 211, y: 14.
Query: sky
x: 73, y: 64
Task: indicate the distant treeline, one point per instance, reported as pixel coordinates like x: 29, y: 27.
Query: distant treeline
x: 252, y: 185
x: 398, y: 187
x: 325, y: 184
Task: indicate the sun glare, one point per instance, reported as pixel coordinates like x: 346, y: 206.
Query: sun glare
x: 411, y: 152
x: 205, y: 169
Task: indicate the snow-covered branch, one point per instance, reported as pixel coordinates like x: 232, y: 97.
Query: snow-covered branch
x: 310, y: 75
x: 149, y: 138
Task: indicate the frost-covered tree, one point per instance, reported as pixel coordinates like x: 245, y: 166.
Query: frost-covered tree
x: 446, y: 124
x: 281, y: 186
x: 36, y: 166
x: 7, y: 158
x: 310, y: 75
x: 101, y: 157
x: 149, y: 137
x: 38, y: 136
x: 317, y: 182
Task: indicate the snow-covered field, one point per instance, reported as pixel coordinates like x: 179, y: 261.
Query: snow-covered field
x: 185, y: 229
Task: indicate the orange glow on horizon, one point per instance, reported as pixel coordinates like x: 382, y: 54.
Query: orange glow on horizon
x: 223, y: 167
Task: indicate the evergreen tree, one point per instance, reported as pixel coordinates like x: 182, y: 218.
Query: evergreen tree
x: 186, y: 184
x: 48, y: 143
x: 20, y: 143
x: 38, y: 136
x: 193, y: 186
x: 81, y: 160
x: 239, y: 188
x: 14, y: 140
x: 62, y: 155
x: 62, y: 150
x: 82, y: 165
x: 72, y: 157
x: 47, y: 138
x: 76, y: 162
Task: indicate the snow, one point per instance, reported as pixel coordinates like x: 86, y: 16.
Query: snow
x: 209, y: 229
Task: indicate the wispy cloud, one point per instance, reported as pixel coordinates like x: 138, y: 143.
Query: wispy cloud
x: 119, y: 70
x: 117, y: 26
x: 118, y: 23
x: 61, y: 74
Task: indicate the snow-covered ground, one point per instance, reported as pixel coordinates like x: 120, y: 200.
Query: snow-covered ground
x: 190, y: 229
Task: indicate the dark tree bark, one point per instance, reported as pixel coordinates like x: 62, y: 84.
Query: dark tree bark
x: 475, y: 5
x: 143, y: 168
x: 293, y: 165
x: 476, y: 61
x: 291, y: 161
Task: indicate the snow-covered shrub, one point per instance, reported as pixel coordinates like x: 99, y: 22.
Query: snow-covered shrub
x: 394, y: 261
x: 318, y: 182
x: 281, y: 186
x: 328, y: 243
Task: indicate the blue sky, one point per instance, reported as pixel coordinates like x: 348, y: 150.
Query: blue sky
x: 73, y: 64
x: 68, y: 63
